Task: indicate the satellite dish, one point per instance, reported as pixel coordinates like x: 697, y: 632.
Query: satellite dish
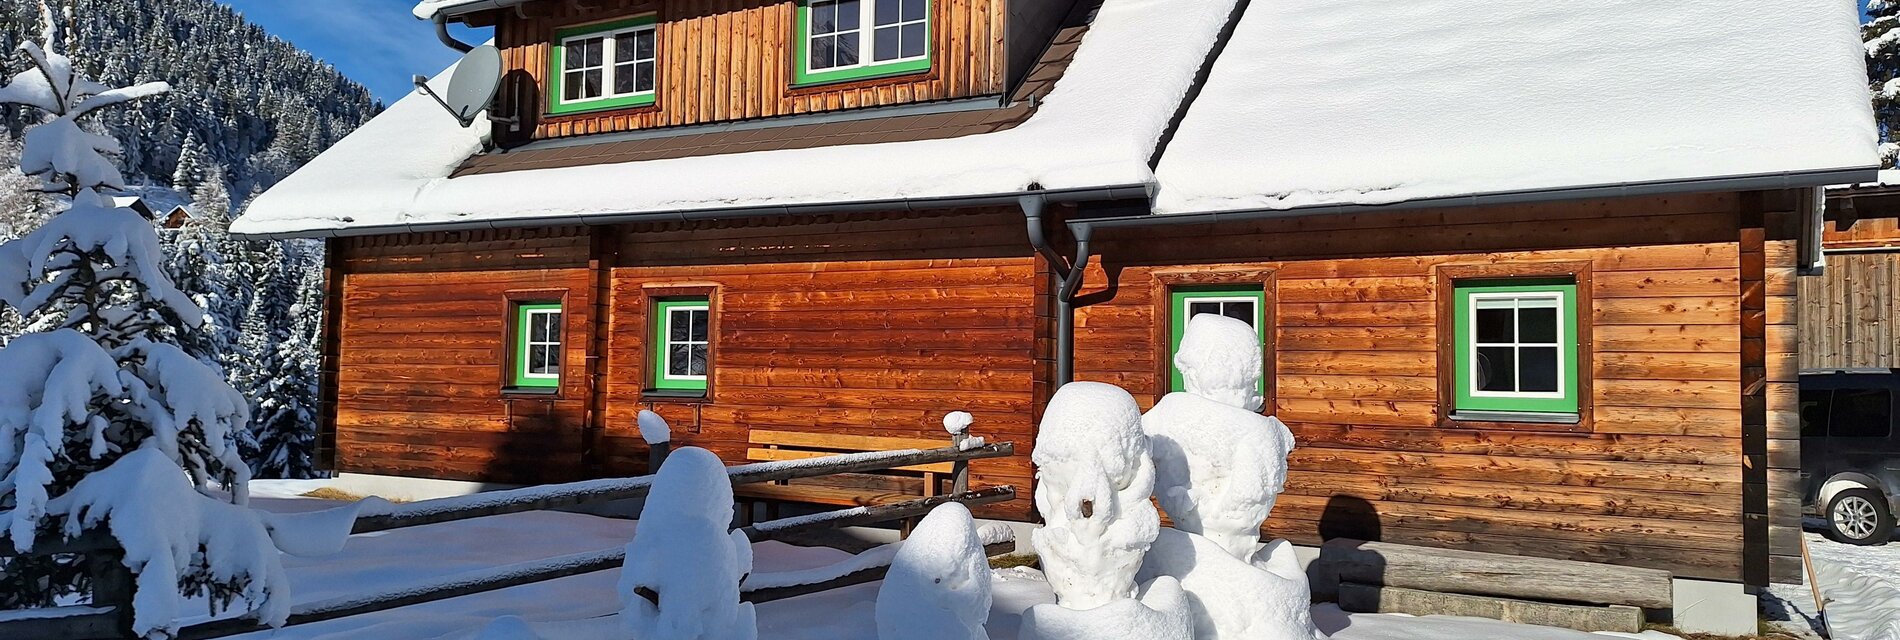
x: 472, y: 87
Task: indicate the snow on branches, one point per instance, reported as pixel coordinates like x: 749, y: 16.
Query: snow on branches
x: 104, y: 419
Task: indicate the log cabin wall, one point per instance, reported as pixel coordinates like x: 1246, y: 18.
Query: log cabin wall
x: 726, y: 60
x: 1654, y: 475
x: 418, y: 387
x: 864, y: 324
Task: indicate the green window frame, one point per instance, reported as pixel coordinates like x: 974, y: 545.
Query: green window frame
x: 1529, y: 330
x: 885, y: 38
x: 622, y: 50
x: 537, y: 348
x: 1223, y: 300
x: 682, y: 343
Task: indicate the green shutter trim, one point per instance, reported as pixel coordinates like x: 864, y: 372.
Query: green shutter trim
x: 662, y: 317
x: 801, y: 57
x: 1178, y: 319
x: 1462, y: 341
x: 557, y: 63
x: 521, y: 378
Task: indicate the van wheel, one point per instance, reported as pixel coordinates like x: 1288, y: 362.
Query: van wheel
x: 1860, y: 517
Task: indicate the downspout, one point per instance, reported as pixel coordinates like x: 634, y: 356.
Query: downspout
x: 1062, y: 272
x: 1065, y: 305
x: 442, y: 33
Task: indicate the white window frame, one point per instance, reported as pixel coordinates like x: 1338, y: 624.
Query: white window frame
x: 1188, y: 307
x: 528, y: 346
x: 609, y: 40
x: 867, y: 34
x: 667, y: 342
x: 1556, y: 299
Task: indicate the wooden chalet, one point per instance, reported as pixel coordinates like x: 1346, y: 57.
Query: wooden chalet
x: 848, y: 218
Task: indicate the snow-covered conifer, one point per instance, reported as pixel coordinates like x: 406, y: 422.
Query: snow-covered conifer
x: 1093, y: 482
x: 283, y: 330
x: 1882, y: 36
x: 89, y: 409
x: 192, y: 166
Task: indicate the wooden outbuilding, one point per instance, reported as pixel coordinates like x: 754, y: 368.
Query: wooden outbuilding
x: 777, y: 216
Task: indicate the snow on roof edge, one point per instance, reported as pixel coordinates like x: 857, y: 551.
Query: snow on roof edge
x: 1096, y: 129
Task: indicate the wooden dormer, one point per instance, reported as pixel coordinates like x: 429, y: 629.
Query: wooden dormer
x: 716, y: 61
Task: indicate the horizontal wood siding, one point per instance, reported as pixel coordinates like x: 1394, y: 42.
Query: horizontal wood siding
x: 1658, y: 482
x: 420, y: 368
x: 864, y: 325
x: 725, y: 60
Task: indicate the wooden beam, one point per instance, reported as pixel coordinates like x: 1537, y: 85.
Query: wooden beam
x: 1475, y: 573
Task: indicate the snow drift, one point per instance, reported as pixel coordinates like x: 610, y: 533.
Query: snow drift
x: 938, y: 586
x: 683, y: 568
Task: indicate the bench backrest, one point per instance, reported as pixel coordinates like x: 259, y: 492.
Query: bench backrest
x: 800, y: 445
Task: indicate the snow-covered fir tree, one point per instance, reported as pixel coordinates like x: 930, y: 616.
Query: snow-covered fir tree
x: 189, y: 173
x: 1882, y: 36
x: 102, y: 418
x: 281, y: 332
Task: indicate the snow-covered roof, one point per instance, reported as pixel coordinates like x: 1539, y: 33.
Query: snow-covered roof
x: 1312, y: 102
x: 1097, y: 128
x: 427, y: 9
x: 1319, y: 102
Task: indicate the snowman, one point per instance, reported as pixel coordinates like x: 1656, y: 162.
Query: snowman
x: 1094, y: 478
x: 683, y: 568
x: 1219, y: 464
x: 938, y: 586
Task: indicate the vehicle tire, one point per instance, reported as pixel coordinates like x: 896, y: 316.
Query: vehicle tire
x: 1859, y: 517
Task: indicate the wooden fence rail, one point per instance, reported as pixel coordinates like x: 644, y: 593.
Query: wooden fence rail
x: 112, y: 581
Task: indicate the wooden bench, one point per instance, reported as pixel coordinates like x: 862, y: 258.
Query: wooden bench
x: 767, y: 446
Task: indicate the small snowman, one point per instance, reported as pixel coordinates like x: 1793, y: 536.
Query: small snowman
x: 683, y: 568
x: 938, y: 587
x: 1094, y: 478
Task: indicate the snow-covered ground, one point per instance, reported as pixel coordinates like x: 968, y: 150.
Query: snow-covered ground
x: 391, y: 559
x: 1791, y: 607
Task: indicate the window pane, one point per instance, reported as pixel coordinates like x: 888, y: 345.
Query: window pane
x: 594, y: 47
x: 626, y: 80
x: 1198, y: 308
x: 1497, y: 369
x: 537, y: 359
x: 822, y: 51
x: 887, y: 11
x: 848, y: 12
x: 914, y: 40
x: 678, y: 325
x: 643, y: 77
x: 847, y: 49
x: 679, y: 360
x: 1814, y: 412
x: 1537, y: 325
x: 643, y: 46
x: 553, y: 357
x: 1242, y: 311
x: 914, y: 9
x: 1539, y: 366
x: 624, y: 47
x: 884, y: 44
x: 1494, y: 325
x: 701, y: 319
x: 824, y: 18
x: 571, y: 86
x: 576, y: 55
x: 697, y: 365
x: 590, y: 84
x: 1861, y: 413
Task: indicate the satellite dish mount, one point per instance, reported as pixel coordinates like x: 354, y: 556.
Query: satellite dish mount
x: 472, y: 87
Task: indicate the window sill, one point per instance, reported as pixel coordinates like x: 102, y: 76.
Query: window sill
x: 674, y: 395
x: 862, y: 74
x: 537, y: 392
x: 1517, y: 416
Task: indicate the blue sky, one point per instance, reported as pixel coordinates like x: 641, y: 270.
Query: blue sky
x: 375, y: 42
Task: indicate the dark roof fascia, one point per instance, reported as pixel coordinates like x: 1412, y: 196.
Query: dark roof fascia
x: 1142, y: 192
x: 1754, y: 182
x: 979, y: 103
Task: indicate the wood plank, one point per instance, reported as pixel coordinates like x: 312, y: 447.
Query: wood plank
x: 1468, y: 572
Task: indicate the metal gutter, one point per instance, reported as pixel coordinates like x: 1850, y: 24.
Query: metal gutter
x: 442, y: 33
x: 960, y: 105
x: 1141, y: 191
x: 472, y: 6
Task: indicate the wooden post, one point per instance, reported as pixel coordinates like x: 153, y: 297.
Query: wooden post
x: 960, y: 471
x: 112, y: 585
x: 656, y: 455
